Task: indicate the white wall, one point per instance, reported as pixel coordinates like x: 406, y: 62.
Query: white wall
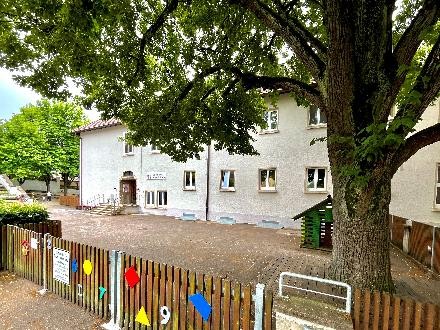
x: 413, y: 186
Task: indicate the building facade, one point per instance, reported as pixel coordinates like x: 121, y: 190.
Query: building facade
x: 287, y: 177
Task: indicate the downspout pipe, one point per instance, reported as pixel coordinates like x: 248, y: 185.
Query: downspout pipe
x: 80, y: 172
x: 208, y: 159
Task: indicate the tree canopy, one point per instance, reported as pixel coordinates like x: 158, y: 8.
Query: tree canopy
x: 183, y: 73
x: 38, y: 141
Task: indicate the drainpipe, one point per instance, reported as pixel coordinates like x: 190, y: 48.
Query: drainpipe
x: 80, y: 172
x: 207, y: 182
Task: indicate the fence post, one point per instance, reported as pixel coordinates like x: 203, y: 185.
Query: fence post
x: 45, y: 239
x: 115, y: 293
x: 10, y: 235
x: 259, y: 305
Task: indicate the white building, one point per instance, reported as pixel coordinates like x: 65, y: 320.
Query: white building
x: 287, y: 177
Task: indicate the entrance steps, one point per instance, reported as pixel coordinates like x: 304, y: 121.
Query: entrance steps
x: 107, y: 209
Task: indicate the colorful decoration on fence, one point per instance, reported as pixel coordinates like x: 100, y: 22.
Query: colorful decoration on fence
x: 131, y: 277
x: 201, y: 305
x: 25, y: 247
x: 166, y: 314
x: 74, y: 265
x: 79, y: 289
x: 49, y: 244
x: 142, y: 317
x: 34, y: 243
x: 87, y: 266
x: 102, y: 291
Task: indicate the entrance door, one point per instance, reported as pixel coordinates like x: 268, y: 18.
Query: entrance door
x: 128, y: 192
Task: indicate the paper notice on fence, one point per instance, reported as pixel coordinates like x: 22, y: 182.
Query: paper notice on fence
x: 34, y: 243
x: 61, y: 263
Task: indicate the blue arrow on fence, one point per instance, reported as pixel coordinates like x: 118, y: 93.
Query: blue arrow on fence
x: 74, y: 266
x: 201, y: 305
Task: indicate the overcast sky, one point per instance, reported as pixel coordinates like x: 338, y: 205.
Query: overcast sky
x: 13, y: 97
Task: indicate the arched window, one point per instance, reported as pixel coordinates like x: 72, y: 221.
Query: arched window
x: 127, y: 173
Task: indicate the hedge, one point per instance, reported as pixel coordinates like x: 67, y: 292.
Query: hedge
x: 18, y: 213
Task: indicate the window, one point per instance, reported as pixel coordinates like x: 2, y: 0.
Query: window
x: 128, y: 148
x: 317, y: 118
x: 437, y: 187
x: 227, y: 180
x: 155, y: 149
x: 189, y: 180
x: 268, y: 179
x: 271, y: 120
x: 316, y: 179
x: 162, y: 199
x: 149, y: 199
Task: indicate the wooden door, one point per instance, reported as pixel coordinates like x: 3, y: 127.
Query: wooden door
x: 128, y: 192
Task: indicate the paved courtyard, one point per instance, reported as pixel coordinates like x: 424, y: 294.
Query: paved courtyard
x: 239, y: 252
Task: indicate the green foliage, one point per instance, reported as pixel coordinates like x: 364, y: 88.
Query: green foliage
x: 18, y: 213
x: 39, y: 141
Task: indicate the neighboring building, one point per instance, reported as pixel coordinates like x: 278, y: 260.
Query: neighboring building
x: 415, y: 192
x: 286, y: 178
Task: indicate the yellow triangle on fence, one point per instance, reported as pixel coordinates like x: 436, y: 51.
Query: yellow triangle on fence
x: 142, y: 317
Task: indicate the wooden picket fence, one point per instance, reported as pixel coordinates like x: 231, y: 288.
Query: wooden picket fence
x: 160, y: 285
x: 52, y: 227
x: 165, y: 285
x: 375, y: 310
x: 70, y: 200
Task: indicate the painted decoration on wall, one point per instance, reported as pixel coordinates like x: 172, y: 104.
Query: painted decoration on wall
x: 34, y: 243
x: 201, y: 305
x: 102, y: 291
x: 131, y: 277
x: 74, y: 265
x: 142, y: 317
x: 25, y: 247
x: 87, y: 267
x: 165, y: 313
x: 61, y: 265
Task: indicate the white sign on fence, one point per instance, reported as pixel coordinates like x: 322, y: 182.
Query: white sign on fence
x: 61, y: 263
x: 156, y: 176
x: 34, y: 243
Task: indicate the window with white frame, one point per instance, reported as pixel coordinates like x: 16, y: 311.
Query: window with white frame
x: 271, y: 119
x: 437, y: 187
x: 316, y: 179
x: 128, y: 148
x: 227, y: 180
x: 189, y: 178
x: 149, y: 199
x: 268, y: 179
x: 317, y: 117
x: 155, y: 149
x: 162, y: 198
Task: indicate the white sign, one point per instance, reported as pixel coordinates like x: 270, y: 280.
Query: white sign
x: 34, y: 243
x: 61, y: 263
x: 156, y: 176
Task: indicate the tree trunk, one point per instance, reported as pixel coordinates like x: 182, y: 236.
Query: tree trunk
x: 47, y: 181
x: 21, y: 181
x: 66, y: 182
x: 361, y: 238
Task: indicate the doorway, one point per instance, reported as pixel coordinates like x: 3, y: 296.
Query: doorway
x: 128, y: 191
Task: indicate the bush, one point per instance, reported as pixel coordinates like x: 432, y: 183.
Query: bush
x: 18, y: 213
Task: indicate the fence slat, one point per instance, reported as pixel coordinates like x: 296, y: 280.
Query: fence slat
x: 268, y: 303
x: 407, y: 313
x: 386, y: 310
x: 396, y: 313
x: 169, y: 295
x: 216, y: 304
x: 236, y: 308
x: 183, y: 299
x: 246, y: 308
x: 176, y: 299
x: 226, y: 304
x: 200, y: 289
x: 191, y: 291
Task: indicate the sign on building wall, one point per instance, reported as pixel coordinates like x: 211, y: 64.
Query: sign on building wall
x: 61, y: 262
x: 156, y: 176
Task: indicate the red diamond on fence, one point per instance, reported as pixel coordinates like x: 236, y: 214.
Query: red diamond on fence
x: 131, y: 277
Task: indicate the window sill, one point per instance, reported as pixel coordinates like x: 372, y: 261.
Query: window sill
x: 269, y: 132
x: 316, y: 126
x: 316, y: 192
x: 162, y: 207
x: 130, y: 154
x: 150, y: 207
x: 189, y: 189
x: 435, y: 209
x: 227, y: 190
x: 157, y: 152
x: 267, y: 190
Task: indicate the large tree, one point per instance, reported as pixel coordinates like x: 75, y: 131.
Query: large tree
x: 185, y: 73
x: 38, y: 142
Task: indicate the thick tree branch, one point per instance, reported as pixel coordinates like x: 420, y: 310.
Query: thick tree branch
x: 405, y: 50
x: 170, y: 7
x: 296, y: 36
x: 426, y: 87
x: 414, y: 143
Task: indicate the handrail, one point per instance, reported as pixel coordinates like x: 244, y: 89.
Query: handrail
x: 347, y: 298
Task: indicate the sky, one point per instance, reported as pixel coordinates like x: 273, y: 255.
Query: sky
x: 13, y: 97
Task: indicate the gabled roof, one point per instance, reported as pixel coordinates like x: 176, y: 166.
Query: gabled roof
x: 97, y: 124
x: 327, y: 201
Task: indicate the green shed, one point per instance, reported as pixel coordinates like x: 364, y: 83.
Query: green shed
x: 317, y: 225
